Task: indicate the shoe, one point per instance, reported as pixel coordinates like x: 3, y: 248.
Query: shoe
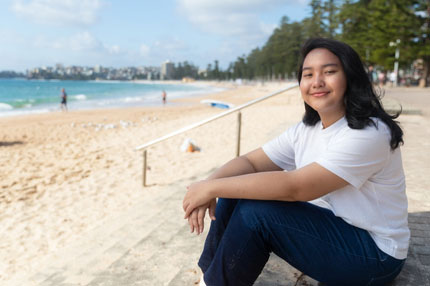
x: 202, y: 281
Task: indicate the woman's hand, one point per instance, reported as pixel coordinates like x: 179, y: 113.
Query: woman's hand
x: 198, y: 195
x: 196, y: 218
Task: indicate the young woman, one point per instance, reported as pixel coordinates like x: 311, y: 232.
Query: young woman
x: 327, y: 196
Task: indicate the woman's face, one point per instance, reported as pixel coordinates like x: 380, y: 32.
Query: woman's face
x: 323, y: 84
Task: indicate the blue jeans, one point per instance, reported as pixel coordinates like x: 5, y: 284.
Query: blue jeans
x: 310, y: 238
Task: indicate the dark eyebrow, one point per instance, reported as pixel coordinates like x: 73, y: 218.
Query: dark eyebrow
x: 324, y: 66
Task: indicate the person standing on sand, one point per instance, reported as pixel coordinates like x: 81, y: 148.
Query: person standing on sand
x: 164, y: 97
x: 327, y: 195
x: 63, y: 104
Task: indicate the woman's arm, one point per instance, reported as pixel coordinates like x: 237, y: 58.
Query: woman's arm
x: 252, y: 162
x: 304, y: 184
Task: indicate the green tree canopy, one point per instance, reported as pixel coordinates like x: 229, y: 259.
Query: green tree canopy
x: 374, y: 28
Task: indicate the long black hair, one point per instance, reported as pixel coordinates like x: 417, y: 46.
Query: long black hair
x: 360, y: 99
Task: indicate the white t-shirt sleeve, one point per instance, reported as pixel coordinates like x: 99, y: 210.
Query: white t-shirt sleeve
x: 281, y: 150
x: 357, y: 155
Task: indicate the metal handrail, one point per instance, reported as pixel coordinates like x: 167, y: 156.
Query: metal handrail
x: 197, y: 124
x: 205, y: 121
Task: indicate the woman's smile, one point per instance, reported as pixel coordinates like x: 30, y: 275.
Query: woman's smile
x: 320, y: 94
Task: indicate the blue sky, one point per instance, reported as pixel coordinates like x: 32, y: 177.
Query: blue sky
x: 120, y: 33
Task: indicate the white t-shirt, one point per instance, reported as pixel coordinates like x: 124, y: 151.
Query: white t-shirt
x: 375, y: 199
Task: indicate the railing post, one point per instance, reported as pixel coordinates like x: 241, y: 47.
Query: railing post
x: 144, y: 167
x: 239, y: 126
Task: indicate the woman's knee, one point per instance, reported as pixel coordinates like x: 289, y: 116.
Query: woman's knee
x: 226, y: 205
x: 227, y: 202
x: 263, y: 214
x: 253, y: 212
x: 224, y: 209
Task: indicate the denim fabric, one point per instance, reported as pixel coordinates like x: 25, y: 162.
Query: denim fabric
x: 310, y: 238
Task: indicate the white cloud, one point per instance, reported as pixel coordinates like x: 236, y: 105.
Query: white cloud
x: 80, y: 42
x: 230, y: 18
x: 228, y: 6
x: 171, y: 48
x: 83, y: 41
x: 58, y: 12
x: 144, y: 50
x: 114, y: 50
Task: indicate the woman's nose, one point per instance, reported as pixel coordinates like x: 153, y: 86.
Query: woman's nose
x: 318, y: 81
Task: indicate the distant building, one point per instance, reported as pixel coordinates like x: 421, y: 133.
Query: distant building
x: 59, y: 66
x: 167, y: 69
x: 98, y: 72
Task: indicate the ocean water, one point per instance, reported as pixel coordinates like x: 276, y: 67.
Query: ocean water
x: 21, y: 96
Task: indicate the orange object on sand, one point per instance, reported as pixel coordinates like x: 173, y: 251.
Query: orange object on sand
x: 190, y: 148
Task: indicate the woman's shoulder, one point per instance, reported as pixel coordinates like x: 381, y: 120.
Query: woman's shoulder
x: 376, y: 127
x: 374, y: 134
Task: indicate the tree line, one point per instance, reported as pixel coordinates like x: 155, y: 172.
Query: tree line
x: 374, y: 28
x: 10, y: 74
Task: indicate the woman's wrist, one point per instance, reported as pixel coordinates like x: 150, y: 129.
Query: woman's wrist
x: 210, y: 188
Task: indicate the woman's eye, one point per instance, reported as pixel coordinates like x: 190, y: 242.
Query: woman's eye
x: 307, y: 75
x: 330, y: 71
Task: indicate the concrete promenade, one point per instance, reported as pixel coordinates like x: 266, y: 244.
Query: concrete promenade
x: 145, y: 248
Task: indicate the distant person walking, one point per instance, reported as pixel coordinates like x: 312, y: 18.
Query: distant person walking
x: 381, y: 78
x: 393, y: 78
x: 371, y: 75
x: 63, y: 104
x: 164, y: 96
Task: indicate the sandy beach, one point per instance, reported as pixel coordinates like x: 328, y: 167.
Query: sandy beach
x: 63, y: 174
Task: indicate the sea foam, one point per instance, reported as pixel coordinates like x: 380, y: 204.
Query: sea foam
x: 5, y: 106
x: 80, y: 97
